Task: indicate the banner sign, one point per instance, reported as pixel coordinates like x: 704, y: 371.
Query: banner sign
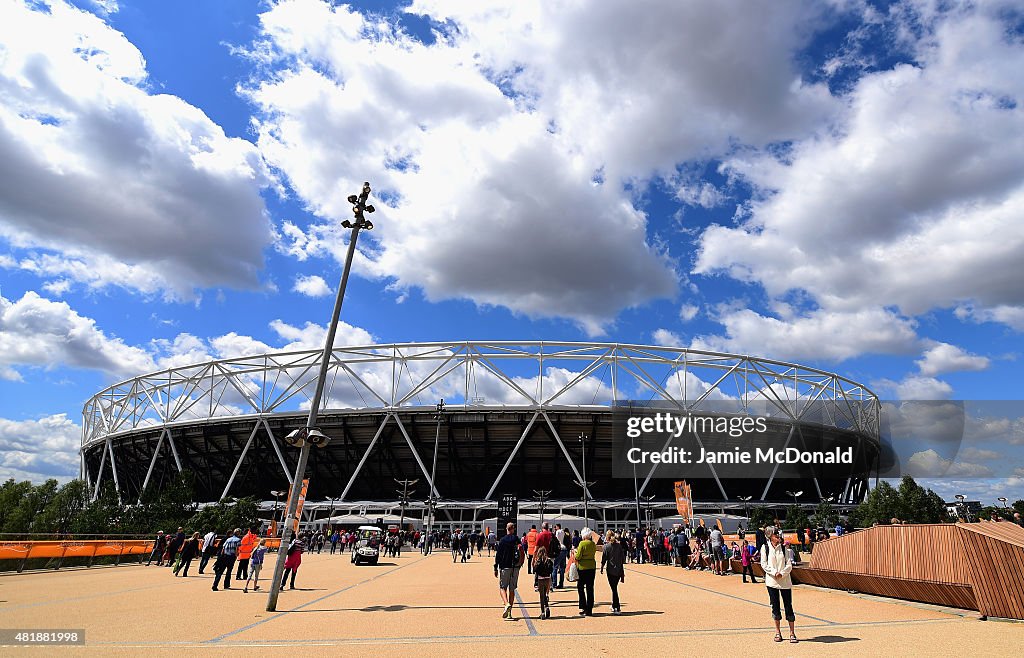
x: 508, y: 512
x: 298, y: 510
x: 684, y: 500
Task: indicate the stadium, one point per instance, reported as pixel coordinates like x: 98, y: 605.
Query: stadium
x: 523, y: 418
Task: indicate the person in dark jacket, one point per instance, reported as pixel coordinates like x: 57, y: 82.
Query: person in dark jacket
x: 543, y: 567
x: 613, y: 562
x: 175, y: 546
x: 159, y: 546
x: 189, y: 551
x: 508, y: 558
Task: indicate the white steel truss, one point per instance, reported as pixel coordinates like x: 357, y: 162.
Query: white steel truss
x: 531, y: 376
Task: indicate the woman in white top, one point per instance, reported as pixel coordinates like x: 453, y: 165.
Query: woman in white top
x: 777, y: 565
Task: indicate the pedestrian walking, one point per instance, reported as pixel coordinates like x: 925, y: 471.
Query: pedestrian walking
x: 586, y: 565
x: 209, y: 549
x: 543, y: 566
x: 244, y: 552
x: 559, y: 554
x: 613, y: 561
x: 188, y: 553
x: 226, y: 559
x: 508, y: 559
x: 291, y: 564
x: 335, y: 537
x: 531, y: 547
x: 175, y: 546
x: 159, y: 546
x: 255, y: 566
x: 747, y: 560
x: 777, y: 567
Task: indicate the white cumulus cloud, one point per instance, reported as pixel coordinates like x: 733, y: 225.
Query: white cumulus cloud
x: 311, y: 286
x: 109, y: 183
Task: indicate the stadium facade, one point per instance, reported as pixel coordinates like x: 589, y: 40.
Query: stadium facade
x: 513, y: 420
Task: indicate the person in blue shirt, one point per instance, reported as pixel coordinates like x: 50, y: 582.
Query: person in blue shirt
x: 226, y: 559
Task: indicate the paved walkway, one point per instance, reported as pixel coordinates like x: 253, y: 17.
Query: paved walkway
x: 425, y: 605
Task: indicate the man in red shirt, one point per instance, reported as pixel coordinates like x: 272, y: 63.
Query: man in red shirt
x: 544, y: 537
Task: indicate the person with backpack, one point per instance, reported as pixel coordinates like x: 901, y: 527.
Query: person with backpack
x: 613, y: 557
x: 508, y: 559
x: 189, y: 550
x: 543, y: 566
x: 255, y: 566
x: 777, y: 567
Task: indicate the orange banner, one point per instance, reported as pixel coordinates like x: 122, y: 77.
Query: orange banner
x: 684, y: 500
x: 298, y: 510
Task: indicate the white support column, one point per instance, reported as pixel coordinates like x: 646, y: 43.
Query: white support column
x: 241, y: 458
x: 152, y: 463
x: 776, y: 469
x: 113, y: 469
x: 99, y: 474
x: 174, y: 450
x: 277, y: 451
x: 366, y: 455
x: 408, y: 440
x: 511, y: 456
x: 565, y: 452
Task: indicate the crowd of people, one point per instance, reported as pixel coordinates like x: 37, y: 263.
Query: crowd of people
x: 234, y: 552
x: 553, y: 555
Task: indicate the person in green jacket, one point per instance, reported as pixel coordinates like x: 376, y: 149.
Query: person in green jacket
x: 586, y: 564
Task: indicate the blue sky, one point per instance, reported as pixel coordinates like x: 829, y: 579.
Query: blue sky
x: 838, y: 184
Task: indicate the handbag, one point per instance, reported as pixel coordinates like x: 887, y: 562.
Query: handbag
x: 574, y: 573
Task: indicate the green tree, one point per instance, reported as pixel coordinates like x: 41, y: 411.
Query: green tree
x: 67, y: 504
x: 760, y: 516
x: 226, y: 515
x: 796, y: 517
x: 919, y: 505
x: 11, y: 495
x: 101, y: 516
x: 826, y: 515
x: 23, y: 518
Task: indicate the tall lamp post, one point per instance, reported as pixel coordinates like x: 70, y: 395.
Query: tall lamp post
x: 585, y: 484
x: 963, y: 506
x: 648, y: 500
x: 746, y: 509
x: 1002, y: 499
x: 438, y: 416
x: 330, y: 512
x: 404, y: 492
x: 309, y: 435
x: 542, y: 494
x: 277, y: 498
x: 795, y: 495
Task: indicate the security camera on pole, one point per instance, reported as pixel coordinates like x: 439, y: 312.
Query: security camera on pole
x: 309, y: 435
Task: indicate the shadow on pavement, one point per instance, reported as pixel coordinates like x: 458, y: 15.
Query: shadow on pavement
x: 831, y: 639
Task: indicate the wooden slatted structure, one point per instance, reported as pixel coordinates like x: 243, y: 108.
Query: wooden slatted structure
x: 995, y: 552
x: 977, y: 566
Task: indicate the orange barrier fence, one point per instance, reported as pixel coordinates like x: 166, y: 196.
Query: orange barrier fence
x: 61, y: 550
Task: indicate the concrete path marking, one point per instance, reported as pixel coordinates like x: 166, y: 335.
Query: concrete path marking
x: 731, y: 596
x: 308, y: 603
